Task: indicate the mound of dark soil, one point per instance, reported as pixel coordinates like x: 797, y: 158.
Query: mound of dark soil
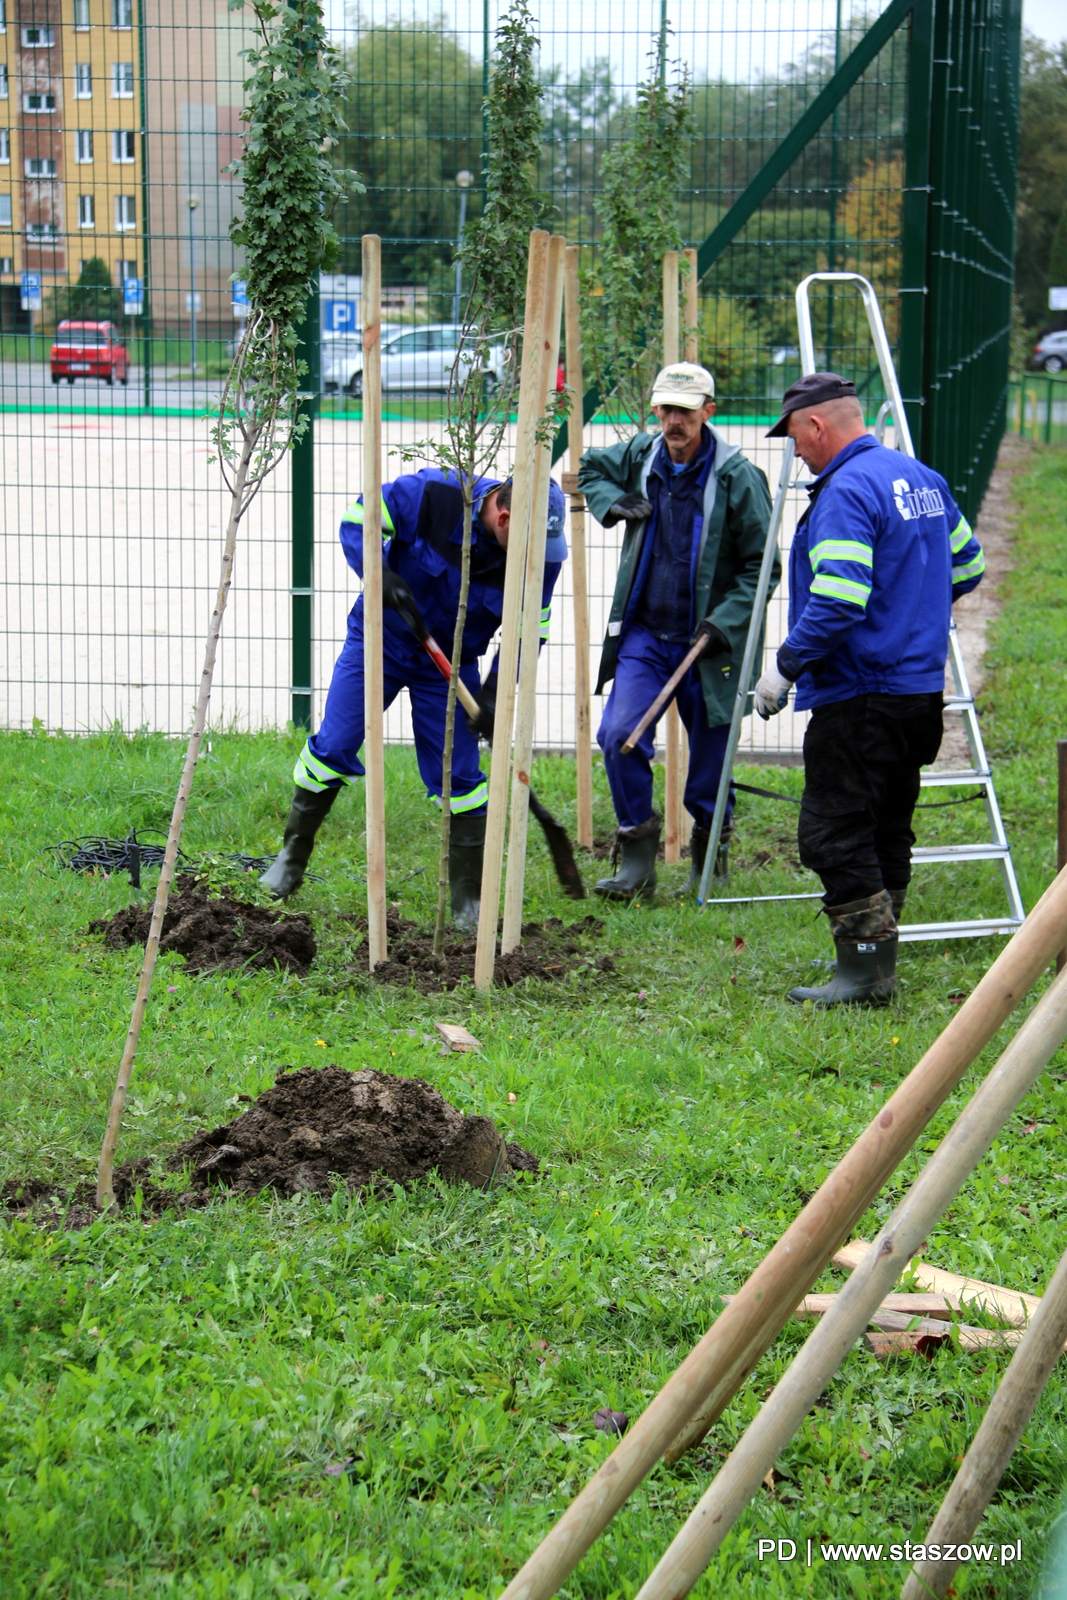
x: 217, y: 934
x: 360, y: 1126
x: 369, y: 1128
x: 548, y: 951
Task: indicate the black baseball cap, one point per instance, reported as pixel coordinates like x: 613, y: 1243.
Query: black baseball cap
x: 812, y: 390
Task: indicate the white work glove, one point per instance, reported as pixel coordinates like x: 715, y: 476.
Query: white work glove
x: 772, y: 692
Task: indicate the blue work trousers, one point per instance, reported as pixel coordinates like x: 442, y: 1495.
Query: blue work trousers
x: 644, y: 665
x: 331, y: 756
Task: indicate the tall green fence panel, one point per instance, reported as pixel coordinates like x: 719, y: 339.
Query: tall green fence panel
x: 878, y: 139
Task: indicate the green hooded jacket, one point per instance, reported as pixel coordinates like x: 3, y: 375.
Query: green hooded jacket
x: 737, y: 512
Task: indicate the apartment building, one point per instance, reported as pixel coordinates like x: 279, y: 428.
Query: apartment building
x: 95, y: 162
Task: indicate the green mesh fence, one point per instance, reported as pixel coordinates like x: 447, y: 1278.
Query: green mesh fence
x: 878, y: 139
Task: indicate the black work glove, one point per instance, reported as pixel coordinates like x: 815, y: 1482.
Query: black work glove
x: 399, y: 598
x: 483, y: 723
x: 629, y: 508
x: 716, y: 641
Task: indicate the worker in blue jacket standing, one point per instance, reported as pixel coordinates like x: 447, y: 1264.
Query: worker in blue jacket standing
x: 696, y: 513
x: 422, y: 521
x: 878, y: 557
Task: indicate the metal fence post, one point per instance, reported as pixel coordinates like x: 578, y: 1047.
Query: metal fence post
x: 915, y: 220
x: 146, y: 232
x: 302, y: 524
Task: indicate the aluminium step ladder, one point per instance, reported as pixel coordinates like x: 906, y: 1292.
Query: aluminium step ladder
x: 961, y: 701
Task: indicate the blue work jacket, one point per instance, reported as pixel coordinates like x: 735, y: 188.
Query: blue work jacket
x: 876, y: 562
x: 422, y: 523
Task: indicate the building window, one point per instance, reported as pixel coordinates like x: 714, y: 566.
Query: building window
x: 122, y: 80
x: 5, y: 146
x: 83, y: 146
x: 3, y: 29
x: 122, y: 147
x: 125, y: 269
x: 39, y: 105
x: 122, y: 13
x: 86, y: 211
x: 42, y: 230
x: 5, y: 211
x: 3, y: 80
x: 83, y: 82
x: 125, y: 213
x: 40, y: 167
x: 38, y: 38
x: 81, y: 14
x: 7, y: 263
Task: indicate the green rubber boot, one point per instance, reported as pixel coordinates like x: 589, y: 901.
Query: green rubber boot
x: 865, y: 938
x: 636, y: 849
x: 308, y: 812
x: 466, y: 851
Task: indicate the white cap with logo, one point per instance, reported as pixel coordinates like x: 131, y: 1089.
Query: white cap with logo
x: 683, y: 383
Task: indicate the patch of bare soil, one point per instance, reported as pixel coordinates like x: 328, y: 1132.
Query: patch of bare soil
x: 217, y: 934
x: 316, y: 1125
x: 995, y: 531
x: 549, y: 950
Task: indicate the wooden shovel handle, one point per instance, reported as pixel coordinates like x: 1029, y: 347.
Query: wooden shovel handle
x: 665, y: 694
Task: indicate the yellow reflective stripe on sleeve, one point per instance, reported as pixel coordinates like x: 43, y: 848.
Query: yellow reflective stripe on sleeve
x: 355, y: 514
x: 973, y: 569
x: 961, y: 536
x: 840, y: 550
x: 546, y: 617
x: 311, y: 773
x: 478, y: 796
x: 841, y: 589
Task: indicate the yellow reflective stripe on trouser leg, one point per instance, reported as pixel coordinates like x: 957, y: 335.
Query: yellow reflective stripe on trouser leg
x: 479, y: 796
x: 546, y: 617
x: 311, y: 773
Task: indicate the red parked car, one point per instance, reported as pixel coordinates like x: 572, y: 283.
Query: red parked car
x: 89, y: 350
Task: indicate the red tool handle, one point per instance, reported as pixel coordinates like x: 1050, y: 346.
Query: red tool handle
x: 444, y: 667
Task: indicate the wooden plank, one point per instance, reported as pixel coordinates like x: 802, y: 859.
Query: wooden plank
x: 456, y: 1037
x: 373, y: 656
x: 583, y: 709
x: 885, y: 1345
x: 1011, y: 1305
x: 941, y: 1306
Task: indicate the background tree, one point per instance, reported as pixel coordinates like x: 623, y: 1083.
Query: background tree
x: 638, y: 211
x: 94, y: 298
x: 1042, y: 173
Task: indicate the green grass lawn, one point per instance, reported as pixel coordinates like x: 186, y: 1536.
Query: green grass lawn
x: 171, y: 1391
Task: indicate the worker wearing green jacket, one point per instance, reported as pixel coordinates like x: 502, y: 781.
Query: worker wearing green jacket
x: 696, y: 514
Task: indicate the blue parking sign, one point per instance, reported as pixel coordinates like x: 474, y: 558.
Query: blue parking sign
x: 240, y: 298
x: 340, y: 316
x: 31, y: 291
x: 132, y: 296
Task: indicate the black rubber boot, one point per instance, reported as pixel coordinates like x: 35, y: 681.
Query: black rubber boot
x: 636, y: 847
x: 306, y: 816
x: 865, y: 938
x: 466, y: 850
x: 698, y: 849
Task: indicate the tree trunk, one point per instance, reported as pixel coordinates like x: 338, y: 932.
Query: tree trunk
x: 105, y: 1193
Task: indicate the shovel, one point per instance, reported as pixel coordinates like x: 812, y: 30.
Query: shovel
x: 559, y: 846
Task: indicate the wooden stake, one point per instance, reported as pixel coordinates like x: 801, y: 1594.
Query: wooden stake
x: 583, y: 715
x: 936, y: 1186
x: 373, y: 657
x: 691, y: 297
x: 1002, y: 1427
x: 674, y: 779
x: 1061, y: 824
x: 526, y: 703
x: 514, y: 573
x: 699, y: 1390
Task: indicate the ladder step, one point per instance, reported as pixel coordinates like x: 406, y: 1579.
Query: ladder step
x: 973, y: 929
x: 961, y: 852
x: 945, y: 779
x: 958, y: 702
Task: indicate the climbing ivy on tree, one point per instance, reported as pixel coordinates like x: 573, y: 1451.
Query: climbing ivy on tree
x: 638, y: 211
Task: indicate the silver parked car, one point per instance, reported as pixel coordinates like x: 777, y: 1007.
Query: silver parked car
x: 1050, y: 353
x: 414, y: 360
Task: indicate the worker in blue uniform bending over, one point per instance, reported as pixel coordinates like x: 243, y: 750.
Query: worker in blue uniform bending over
x: 878, y: 557
x: 696, y: 514
x: 422, y: 521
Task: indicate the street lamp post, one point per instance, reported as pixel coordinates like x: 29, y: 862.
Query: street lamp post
x: 193, y: 202
x: 464, y: 180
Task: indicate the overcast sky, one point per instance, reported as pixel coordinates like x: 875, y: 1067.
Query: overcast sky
x: 715, y: 38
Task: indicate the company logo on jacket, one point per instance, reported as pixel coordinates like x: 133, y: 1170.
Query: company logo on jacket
x: 923, y: 502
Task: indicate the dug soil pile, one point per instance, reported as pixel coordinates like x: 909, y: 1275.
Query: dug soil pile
x: 315, y: 1126
x: 366, y: 1127
x: 549, y: 950
x: 217, y: 935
